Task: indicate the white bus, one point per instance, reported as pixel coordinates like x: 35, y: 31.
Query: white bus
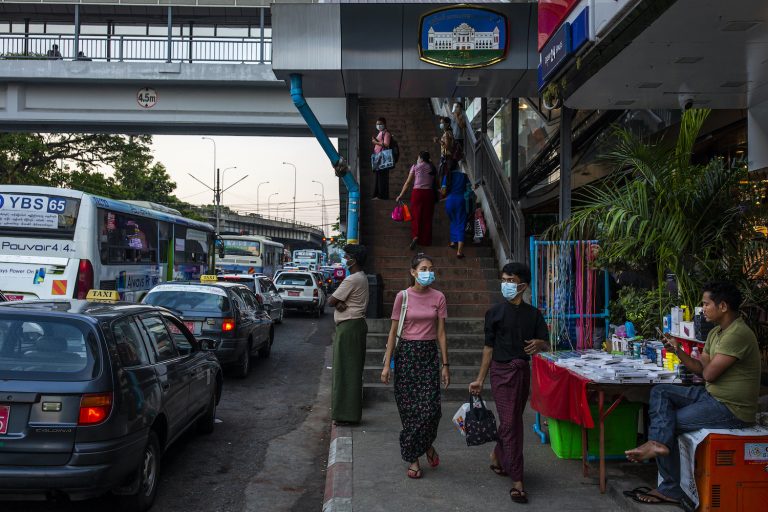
x: 250, y: 254
x: 60, y: 243
x: 311, y: 258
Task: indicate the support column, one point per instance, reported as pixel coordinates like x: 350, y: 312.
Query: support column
x: 26, y: 36
x: 757, y: 136
x: 191, y: 33
x: 261, y: 36
x: 110, y: 31
x: 484, y: 116
x: 76, y: 50
x: 566, y: 133
x: 514, y: 189
x: 170, y: 34
x: 353, y: 148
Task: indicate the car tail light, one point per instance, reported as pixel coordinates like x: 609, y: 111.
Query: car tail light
x: 228, y: 324
x: 316, y: 293
x: 94, y: 409
x: 84, y: 279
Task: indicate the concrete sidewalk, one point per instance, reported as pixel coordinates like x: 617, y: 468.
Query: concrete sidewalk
x: 366, y: 473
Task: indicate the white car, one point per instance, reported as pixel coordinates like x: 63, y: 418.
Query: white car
x: 265, y: 291
x: 302, y: 291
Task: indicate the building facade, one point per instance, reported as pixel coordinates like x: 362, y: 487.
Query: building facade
x: 463, y: 37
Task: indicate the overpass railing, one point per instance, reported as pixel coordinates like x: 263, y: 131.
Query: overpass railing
x: 252, y: 50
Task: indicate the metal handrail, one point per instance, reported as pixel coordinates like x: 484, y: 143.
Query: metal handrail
x: 111, y: 48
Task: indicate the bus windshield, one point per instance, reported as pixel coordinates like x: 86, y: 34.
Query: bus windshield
x: 242, y: 248
x: 33, y: 215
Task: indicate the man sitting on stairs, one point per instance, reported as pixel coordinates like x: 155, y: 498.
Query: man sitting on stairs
x: 514, y: 331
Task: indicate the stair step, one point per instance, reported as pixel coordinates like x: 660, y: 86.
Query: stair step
x: 455, y: 341
x: 470, y: 251
x: 457, y: 356
x: 456, y: 392
x: 404, y: 262
x: 459, y: 374
x: 456, y: 296
x: 455, y: 325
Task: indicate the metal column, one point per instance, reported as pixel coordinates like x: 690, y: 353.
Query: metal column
x: 261, y: 36
x: 170, y: 34
x: 516, y: 249
x: 566, y: 134
x: 76, y: 51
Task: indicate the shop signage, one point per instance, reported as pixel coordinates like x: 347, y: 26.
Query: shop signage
x: 607, y: 12
x: 552, y: 13
x: 556, y: 51
x: 146, y: 97
x: 463, y: 37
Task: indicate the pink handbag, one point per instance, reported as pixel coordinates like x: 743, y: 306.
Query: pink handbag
x: 398, y: 214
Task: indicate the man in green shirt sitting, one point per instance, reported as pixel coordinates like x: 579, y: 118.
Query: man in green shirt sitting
x: 730, y: 365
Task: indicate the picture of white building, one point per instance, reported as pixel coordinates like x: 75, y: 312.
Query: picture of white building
x: 463, y: 37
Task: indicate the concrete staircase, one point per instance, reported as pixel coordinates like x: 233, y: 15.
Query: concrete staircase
x: 470, y: 285
x: 465, y: 348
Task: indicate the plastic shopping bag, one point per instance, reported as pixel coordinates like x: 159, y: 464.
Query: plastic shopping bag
x: 406, y: 213
x: 398, y: 213
x: 382, y: 160
x: 458, y: 419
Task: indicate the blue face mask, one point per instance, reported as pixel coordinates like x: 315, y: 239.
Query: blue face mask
x: 346, y: 262
x: 509, y: 290
x: 425, y: 278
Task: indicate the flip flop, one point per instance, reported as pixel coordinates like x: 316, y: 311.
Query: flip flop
x: 659, y: 500
x: 518, y: 496
x: 498, y: 470
x: 434, y: 460
x: 636, y: 490
x: 414, y: 473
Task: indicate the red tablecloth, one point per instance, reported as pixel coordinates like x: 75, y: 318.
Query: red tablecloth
x: 558, y: 393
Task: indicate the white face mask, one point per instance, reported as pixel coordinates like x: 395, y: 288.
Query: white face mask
x: 442, y: 126
x: 380, y: 127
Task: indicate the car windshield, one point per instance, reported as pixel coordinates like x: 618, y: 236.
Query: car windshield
x: 189, y: 300
x: 250, y: 282
x: 35, y: 348
x: 290, y: 279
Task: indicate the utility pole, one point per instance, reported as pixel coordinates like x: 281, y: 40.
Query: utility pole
x: 215, y: 184
x: 322, y: 194
x: 258, y: 187
x: 294, y: 190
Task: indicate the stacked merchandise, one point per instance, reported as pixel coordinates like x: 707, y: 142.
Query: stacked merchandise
x: 601, y: 367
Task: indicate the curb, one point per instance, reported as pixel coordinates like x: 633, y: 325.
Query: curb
x: 338, y: 478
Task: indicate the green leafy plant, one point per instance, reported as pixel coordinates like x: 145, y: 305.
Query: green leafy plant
x: 641, y: 307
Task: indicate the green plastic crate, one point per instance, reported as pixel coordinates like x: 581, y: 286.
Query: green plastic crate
x: 620, y: 433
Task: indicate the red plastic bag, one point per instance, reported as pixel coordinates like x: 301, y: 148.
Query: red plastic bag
x: 406, y: 213
x: 398, y: 214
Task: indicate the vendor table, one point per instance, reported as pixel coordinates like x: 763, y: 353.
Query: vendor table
x: 562, y: 394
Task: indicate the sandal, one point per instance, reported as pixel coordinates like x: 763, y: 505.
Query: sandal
x: 414, y: 473
x: 460, y: 255
x: 518, y: 496
x: 636, y: 490
x: 434, y: 459
x: 654, y: 500
x: 498, y: 470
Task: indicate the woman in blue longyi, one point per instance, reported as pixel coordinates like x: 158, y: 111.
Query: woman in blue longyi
x: 453, y: 188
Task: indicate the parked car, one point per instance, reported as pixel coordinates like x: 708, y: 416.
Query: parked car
x: 302, y: 291
x: 265, y: 292
x: 228, y: 313
x: 93, y: 393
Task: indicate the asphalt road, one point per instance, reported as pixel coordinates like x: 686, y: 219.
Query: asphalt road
x: 269, y: 450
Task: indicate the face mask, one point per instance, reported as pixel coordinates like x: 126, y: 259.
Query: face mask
x: 425, y: 278
x: 442, y: 126
x: 346, y: 262
x: 509, y: 290
x: 380, y: 127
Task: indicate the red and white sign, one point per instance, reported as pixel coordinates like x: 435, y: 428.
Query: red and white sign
x: 552, y: 13
x: 5, y: 417
x: 13, y: 297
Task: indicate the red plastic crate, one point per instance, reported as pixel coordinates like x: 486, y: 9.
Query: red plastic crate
x: 732, y: 473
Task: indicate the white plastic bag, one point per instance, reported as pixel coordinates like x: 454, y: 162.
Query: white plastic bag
x: 458, y: 418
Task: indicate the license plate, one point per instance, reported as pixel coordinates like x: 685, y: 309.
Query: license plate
x: 294, y: 294
x: 194, y: 327
x: 5, y: 417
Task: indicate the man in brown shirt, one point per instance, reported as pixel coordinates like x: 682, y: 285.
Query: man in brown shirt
x: 350, y: 301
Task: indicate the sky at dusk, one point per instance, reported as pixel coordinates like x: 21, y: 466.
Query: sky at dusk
x: 261, y: 159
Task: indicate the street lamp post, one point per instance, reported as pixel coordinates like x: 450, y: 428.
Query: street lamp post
x: 221, y: 185
x: 322, y: 194
x: 294, y: 189
x: 216, y: 188
x: 269, y: 202
x: 257, y: 197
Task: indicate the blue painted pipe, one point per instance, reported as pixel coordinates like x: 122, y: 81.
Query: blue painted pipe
x: 340, y: 166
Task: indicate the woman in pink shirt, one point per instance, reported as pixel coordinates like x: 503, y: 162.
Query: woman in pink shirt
x: 381, y: 141
x: 422, y: 177
x: 417, y: 366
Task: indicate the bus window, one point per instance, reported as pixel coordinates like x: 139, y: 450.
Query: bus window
x: 250, y: 248
x: 164, y: 234
x: 191, y: 246
x: 126, y: 238
x: 34, y: 215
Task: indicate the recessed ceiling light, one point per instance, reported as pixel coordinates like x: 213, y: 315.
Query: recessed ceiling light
x: 739, y: 26
x: 649, y: 85
x: 624, y: 103
x: 688, y: 60
x: 733, y: 84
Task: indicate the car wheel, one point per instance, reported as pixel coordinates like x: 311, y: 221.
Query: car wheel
x: 243, y: 367
x: 148, y: 474
x: 207, y: 421
x: 266, y: 350
x: 280, y: 318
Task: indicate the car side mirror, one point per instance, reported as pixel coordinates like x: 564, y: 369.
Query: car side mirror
x: 207, y: 344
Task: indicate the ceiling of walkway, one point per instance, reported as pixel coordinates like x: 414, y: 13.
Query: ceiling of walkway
x: 712, y: 52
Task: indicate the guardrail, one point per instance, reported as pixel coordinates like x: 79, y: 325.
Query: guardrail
x: 251, y: 50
